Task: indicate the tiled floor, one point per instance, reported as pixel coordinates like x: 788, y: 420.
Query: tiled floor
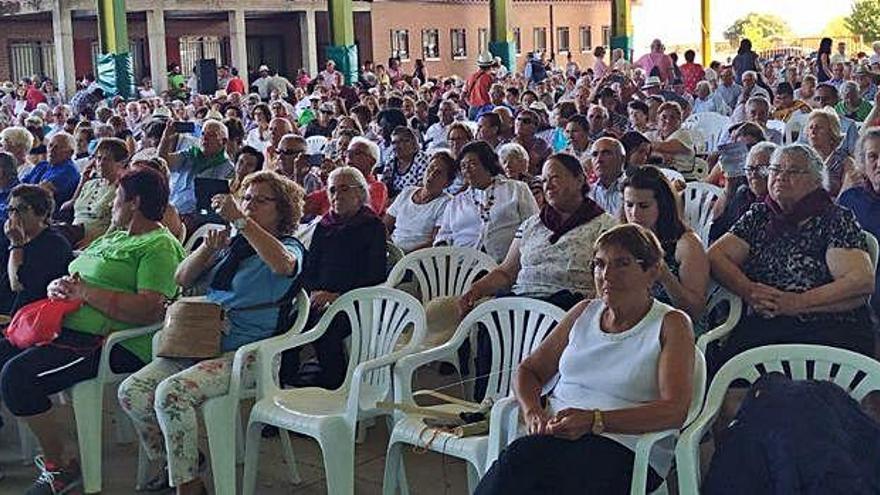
x: 428, y: 473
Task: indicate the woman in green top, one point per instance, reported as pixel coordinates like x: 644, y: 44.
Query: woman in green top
x: 123, y: 280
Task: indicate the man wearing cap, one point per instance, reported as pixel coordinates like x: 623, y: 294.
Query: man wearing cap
x: 262, y: 82
x: 867, y: 87
x: 324, y: 123
x: 476, y: 89
x: 786, y: 104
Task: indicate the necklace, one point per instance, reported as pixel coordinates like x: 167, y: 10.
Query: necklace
x: 484, y: 209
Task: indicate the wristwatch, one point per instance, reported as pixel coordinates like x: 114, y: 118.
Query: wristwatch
x: 240, y: 223
x: 598, y: 423
x: 13, y: 247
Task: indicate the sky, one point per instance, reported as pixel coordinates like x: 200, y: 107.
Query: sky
x: 678, y: 21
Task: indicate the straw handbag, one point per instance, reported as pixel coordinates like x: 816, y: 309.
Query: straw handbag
x: 193, y: 327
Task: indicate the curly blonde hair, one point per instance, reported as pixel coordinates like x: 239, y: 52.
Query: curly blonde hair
x: 288, y: 197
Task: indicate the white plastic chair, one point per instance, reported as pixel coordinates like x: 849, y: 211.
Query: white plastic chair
x: 315, y: 145
x: 441, y: 271
x: 803, y: 362
x: 504, y: 428
x: 378, y: 316
x: 795, y: 125
x: 198, y: 237
x: 710, y: 125
x: 777, y: 125
x: 516, y: 326
x: 223, y: 414
x: 720, y: 297
x: 698, y: 200
x: 88, y: 404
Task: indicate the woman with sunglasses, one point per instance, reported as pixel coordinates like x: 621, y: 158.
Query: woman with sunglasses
x: 163, y: 397
x: 32, y: 253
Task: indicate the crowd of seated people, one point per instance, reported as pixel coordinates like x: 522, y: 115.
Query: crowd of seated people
x: 98, y: 195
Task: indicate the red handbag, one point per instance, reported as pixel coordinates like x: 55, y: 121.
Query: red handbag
x: 39, y: 322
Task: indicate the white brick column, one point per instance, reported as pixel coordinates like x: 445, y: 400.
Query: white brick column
x: 62, y: 37
x: 158, y: 55
x: 309, y: 36
x: 238, y: 44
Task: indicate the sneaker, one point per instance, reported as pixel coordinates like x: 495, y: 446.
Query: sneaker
x: 53, y: 480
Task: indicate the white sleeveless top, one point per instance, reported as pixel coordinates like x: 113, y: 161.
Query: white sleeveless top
x: 606, y: 371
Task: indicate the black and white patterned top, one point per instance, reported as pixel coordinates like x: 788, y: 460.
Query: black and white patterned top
x: 795, y: 261
x: 396, y: 181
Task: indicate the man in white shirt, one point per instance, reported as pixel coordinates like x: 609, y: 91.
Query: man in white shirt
x: 332, y: 77
x: 609, y: 156
x: 435, y: 136
x: 729, y: 90
x: 840, y: 56
x: 262, y: 83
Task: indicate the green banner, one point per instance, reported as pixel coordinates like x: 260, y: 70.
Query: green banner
x: 115, y: 75
x: 507, y: 51
x: 346, y: 59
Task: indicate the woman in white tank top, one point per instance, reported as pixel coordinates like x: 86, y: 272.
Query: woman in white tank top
x: 625, y: 367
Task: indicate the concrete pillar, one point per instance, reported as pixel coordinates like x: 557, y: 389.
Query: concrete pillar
x: 621, y: 26
x: 499, y: 33
x: 62, y: 37
x: 342, y: 49
x: 308, y: 33
x: 113, y: 38
x: 158, y: 54
x: 238, y: 43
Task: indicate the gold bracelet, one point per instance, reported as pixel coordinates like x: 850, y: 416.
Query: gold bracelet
x: 598, y: 423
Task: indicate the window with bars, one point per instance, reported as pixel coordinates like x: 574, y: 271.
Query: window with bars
x: 431, y: 44
x: 195, y: 48
x: 562, y: 40
x: 539, y: 37
x: 459, y: 43
x: 586, y: 35
x: 482, y: 40
x: 517, y: 40
x: 32, y: 58
x: 400, y: 44
x: 606, y: 35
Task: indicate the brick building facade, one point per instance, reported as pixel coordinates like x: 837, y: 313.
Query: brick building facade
x: 51, y: 37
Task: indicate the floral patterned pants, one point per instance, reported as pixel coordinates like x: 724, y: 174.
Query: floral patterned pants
x: 162, y: 400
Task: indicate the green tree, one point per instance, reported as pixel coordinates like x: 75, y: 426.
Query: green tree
x: 761, y: 29
x: 837, y: 28
x: 865, y: 19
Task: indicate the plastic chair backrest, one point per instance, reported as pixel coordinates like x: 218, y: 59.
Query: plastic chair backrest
x: 776, y: 125
x: 873, y: 248
x: 795, y: 124
x: 858, y: 375
x: 315, y: 144
x: 710, y: 125
x: 698, y: 200
x: 442, y: 271
x: 394, y: 255
x: 516, y: 326
x: 198, y: 237
x: 378, y: 317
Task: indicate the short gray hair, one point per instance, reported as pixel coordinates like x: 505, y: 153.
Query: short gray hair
x: 71, y: 142
x: 849, y: 87
x: 219, y: 125
x: 758, y: 100
x: 763, y: 147
x: 17, y: 137
x: 512, y: 150
x: 618, y: 146
x: 357, y: 176
x: 869, y: 134
x: 704, y: 84
x: 372, y: 147
x: 803, y: 153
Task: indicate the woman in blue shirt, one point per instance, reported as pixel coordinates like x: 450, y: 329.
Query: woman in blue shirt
x: 263, y: 255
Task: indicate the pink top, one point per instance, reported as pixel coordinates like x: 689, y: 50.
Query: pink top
x: 659, y: 60
x: 599, y: 69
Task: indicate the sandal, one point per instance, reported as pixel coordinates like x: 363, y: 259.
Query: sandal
x: 160, y: 482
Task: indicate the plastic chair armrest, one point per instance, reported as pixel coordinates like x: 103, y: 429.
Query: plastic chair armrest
x: 116, y: 338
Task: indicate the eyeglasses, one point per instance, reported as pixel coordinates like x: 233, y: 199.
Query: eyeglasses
x: 260, y: 200
x: 760, y: 169
x: 779, y: 171
x: 344, y: 188
x: 290, y: 152
x: 617, y: 263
